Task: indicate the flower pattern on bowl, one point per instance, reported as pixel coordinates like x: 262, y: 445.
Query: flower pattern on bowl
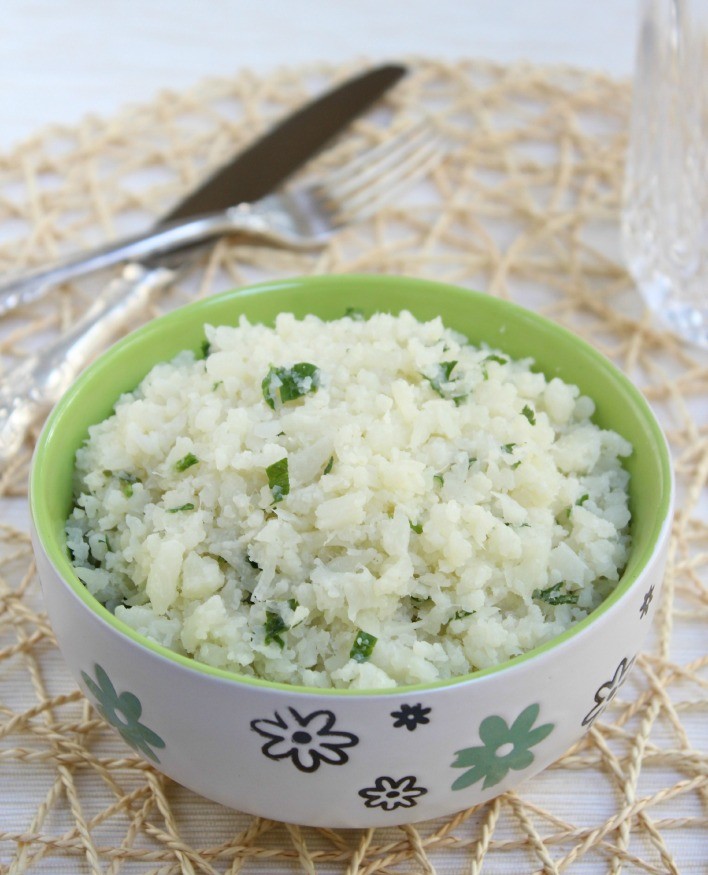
x: 389, y: 793
x: 411, y: 716
x: 607, y: 691
x: 123, y: 712
x: 648, y: 596
x: 308, y: 741
x: 503, y: 748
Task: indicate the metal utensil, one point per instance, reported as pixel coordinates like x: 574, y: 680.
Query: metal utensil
x: 205, y: 213
x: 40, y: 380
x: 309, y: 214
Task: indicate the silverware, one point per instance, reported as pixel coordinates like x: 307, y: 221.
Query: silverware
x: 42, y: 378
x: 206, y: 213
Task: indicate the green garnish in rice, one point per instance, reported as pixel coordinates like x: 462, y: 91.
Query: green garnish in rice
x: 363, y: 646
x: 186, y: 462
x: 555, y: 595
x: 287, y: 384
x: 182, y: 507
x: 274, y: 625
x: 279, y: 479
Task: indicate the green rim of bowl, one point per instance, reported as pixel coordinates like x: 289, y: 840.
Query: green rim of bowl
x: 482, y: 318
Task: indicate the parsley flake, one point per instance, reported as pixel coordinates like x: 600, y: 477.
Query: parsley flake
x: 328, y: 466
x: 363, y: 646
x: 355, y: 313
x: 126, y: 483
x: 187, y: 506
x: 186, y: 462
x: 279, y: 479
x: 274, y: 625
x: 287, y: 384
x: 461, y: 614
x: 529, y: 414
x: 553, y: 595
x: 444, y: 375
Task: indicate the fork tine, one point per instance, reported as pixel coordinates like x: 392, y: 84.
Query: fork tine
x: 372, y: 161
x: 384, y: 173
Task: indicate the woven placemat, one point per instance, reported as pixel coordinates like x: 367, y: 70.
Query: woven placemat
x: 524, y: 206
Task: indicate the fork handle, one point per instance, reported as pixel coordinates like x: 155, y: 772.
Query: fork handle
x: 158, y: 241
x: 33, y: 386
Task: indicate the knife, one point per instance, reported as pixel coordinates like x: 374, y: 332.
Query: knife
x: 249, y: 176
x: 41, y: 379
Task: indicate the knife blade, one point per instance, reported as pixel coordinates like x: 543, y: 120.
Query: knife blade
x: 249, y: 176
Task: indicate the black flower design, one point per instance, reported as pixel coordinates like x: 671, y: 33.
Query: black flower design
x: 648, y: 596
x: 410, y: 716
x: 388, y: 793
x: 608, y: 690
x: 308, y: 741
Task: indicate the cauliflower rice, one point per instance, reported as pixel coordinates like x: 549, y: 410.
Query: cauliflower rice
x: 358, y: 503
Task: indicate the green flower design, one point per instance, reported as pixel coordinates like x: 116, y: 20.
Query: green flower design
x: 504, y: 747
x: 122, y: 712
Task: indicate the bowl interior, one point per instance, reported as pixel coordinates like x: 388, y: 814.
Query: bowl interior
x: 482, y: 318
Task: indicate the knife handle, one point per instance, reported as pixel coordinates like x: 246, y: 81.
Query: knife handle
x: 164, y: 239
x: 36, y: 384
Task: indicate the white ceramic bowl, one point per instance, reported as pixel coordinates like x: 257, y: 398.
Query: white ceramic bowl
x: 351, y: 758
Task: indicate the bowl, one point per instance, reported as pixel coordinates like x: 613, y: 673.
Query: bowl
x: 350, y: 758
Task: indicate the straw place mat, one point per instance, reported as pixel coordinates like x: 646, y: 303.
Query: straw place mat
x: 524, y: 206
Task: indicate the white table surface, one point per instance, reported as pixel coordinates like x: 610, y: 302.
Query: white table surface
x: 61, y: 59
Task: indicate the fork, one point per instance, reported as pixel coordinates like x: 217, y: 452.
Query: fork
x: 302, y: 218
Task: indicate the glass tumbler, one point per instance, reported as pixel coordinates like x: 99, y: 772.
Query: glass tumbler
x: 665, y: 197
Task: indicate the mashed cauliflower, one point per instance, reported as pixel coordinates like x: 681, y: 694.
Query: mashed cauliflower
x: 357, y: 503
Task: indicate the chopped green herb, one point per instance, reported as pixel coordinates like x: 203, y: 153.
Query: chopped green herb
x: 443, y: 375
x: 416, y: 527
x: 354, y: 313
x: 293, y: 604
x: 253, y: 564
x: 186, y: 462
x: 529, y: 414
x: 470, y: 461
x: 287, y: 384
x: 216, y: 385
x: 460, y: 615
x: 438, y: 478
x: 418, y: 603
x: 187, y: 506
x: 516, y: 465
x: 581, y: 501
x: 363, y: 646
x: 126, y: 481
x: 279, y: 479
x: 205, y: 348
x: 274, y: 625
x: 508, y: 448
x: 493, y: 357
x: 553, y: 595
x: 328, y: 466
